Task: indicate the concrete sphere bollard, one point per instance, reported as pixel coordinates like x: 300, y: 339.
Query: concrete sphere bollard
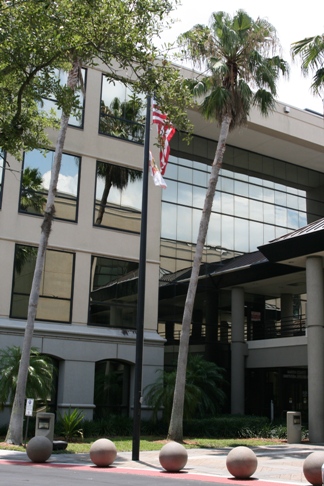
x: 39, y: 449
x: 312, y: 468
x: 173, y: 456
x: 103, y: 452
x: 241, y: 462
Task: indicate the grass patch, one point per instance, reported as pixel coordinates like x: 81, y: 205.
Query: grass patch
x: 124, y: 444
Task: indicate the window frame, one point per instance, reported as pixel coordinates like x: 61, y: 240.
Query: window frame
x: 123, y: 209
x: 57, y: 195
x: 70, y: 299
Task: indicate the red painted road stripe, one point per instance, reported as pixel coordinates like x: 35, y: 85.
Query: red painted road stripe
x: 146, y: 472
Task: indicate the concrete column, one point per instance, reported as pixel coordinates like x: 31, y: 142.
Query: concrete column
x: 238, y: 352
x: 315, y: 349
x: 211, y: 320
x: 287, y: 311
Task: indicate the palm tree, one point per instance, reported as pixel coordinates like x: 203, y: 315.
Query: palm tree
x: 311, y: 52
x: 31, y: 195
x: 203, y: 393
x: 241, y: 71
x: 40, y: 375
x: 114, y: 176
x: 14, y: 433
x: 123, y: 119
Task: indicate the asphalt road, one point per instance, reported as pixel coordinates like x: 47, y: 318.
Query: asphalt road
x: 18, y: 475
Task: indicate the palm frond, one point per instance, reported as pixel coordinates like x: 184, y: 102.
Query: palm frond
x: 318, y: 81
x: 235, y: 52
x: 264, y: 100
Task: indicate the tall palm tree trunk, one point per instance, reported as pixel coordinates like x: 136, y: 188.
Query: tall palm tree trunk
x: 176, y: 422
x: 105, y: 194
x: 15, y: 430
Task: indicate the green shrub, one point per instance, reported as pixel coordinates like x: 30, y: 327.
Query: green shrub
x: 68, y: 424
x: 111, y: 426
x: 225, y: 427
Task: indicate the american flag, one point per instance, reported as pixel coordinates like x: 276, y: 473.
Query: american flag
x: 165, y: 132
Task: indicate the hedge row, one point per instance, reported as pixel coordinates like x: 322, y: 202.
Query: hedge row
x: 222, y: 427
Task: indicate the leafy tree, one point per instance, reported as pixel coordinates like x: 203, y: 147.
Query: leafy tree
x: 203, y: 393
x: 38, y: 37
x: 69, y: 34
x: 31, y: 195
x: 311, y: 53
x: 238, y: 75
x: 40, y: 375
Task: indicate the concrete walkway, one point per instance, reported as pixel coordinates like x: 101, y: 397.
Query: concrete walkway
x: 277, y: 463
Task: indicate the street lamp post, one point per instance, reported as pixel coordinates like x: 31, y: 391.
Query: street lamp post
x: 141, y: 293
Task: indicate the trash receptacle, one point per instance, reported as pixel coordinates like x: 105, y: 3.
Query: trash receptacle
x: 45, y: 425
x: 293, y: 427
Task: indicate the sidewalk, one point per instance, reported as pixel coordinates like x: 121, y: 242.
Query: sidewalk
x: 277, y: 463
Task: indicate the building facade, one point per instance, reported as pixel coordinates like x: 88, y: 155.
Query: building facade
x: 86, y: 317
x: 251, y: 312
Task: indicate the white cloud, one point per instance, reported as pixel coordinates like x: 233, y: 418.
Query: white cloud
x: 66, y: 184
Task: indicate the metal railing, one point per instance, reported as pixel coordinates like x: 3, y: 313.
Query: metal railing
x: 270, y: 329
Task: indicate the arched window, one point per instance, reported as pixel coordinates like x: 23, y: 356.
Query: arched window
x: 112, y: 382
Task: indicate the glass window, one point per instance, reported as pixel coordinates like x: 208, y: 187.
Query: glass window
x: 184, y: 224
x: 227, y: 201
x: 113, y: 293
x: 256, y: 235
x: 280, y: 198
x: 269, y: 233
x: 169, y: 221
x: 76, y: 118
x: 241, y: 207
x: 185, y: 194
x: 226, y: 184
x: 118, y: 197
x: 227, y: 233
x: 172, y: 169
x: 200, y: 178
x: 241, y: 235
x: 171, y: 192
x: 199, y: 194
x: 36, y: 180
x: 256, y: 210
x: 241, y: 188
x: 266, y: 197
x: 293, y: 218
x: 55, y: 300
x: 122, y: 112
x: 214, y: 230
x: 269, y: 213
x: 2, y: 169
x: 255, y: 192
x: 281, y: 216
x: 185, y: 174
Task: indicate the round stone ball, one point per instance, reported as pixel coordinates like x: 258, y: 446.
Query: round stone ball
x: 312, y: 468
x: 173, y: 456
x: 39, y: 449
x: 241, y: 462
x: 103, y: 452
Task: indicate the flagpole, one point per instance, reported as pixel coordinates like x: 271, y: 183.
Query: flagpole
x: 141, y: 293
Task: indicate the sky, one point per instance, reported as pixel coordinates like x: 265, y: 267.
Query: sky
x: 292, y: 21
